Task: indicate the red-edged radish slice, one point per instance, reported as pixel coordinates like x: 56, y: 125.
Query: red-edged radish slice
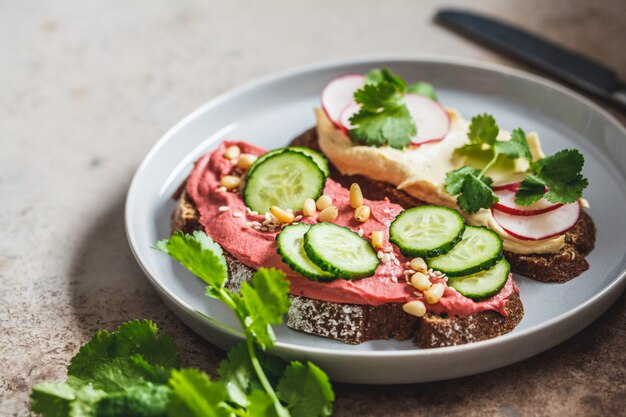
x: 339, y: 93
x: 349, y: 111
x: 513, y: 186
x: 506, y: 203
x: 540, y: 226
x: 431, y: 119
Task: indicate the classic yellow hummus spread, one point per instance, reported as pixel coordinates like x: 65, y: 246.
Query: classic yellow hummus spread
x: 421, y: 172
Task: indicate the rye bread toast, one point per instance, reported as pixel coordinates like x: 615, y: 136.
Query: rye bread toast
x: 560, y: 267
x: 354, y: 323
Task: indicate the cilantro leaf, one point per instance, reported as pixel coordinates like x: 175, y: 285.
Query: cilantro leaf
x: 516, y: 147
x: 383, y: 117
x: 266, y: 300
x: 455, y: 179
x: 483, y: 130
x: 261, y: 405
x: 236, y: 374
x: 531, y: 189
x: 198, y: 253
x: 378, y: 75
x: 423, y: 89
x: 560, y: 174
x: 115, y: 361
x: 476, y: 193
x: 62, y: 400
x: 195, y: 395
x: 306, y: 390
x: 141, y: 400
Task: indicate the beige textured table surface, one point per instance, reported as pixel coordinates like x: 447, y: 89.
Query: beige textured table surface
x: 87, y: 87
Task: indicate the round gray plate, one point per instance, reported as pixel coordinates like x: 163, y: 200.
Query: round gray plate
x: 272, y: 111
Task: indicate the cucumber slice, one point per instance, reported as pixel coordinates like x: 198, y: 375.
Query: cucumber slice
x: 482, y: 284
x: 285, y: 180
x: 479, y: 249
x: 317, y: 157
x: 427, y: 230
x: 290, y: 242
x: 340, y: 251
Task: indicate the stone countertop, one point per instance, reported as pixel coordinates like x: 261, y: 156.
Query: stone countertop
x: 88, y: 87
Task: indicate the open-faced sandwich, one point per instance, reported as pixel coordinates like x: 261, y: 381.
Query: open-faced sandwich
x: 360, y: 268
x: 402, y: 142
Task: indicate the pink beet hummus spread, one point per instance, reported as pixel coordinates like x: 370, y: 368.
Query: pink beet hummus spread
x: 257, y: 248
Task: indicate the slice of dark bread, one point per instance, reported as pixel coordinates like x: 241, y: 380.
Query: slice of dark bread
x: 560, y: 267
x: 355, y: 323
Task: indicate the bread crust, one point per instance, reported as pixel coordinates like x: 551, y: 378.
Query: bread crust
x: 355, y: 323
x: 560, y: 267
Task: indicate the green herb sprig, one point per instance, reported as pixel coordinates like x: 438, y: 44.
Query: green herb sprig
x: 135, y: 371
x: 383, y: 118
x: 558, y: 178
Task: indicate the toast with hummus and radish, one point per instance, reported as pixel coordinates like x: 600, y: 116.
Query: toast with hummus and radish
x: 360, y: 267
x: 403, y: 143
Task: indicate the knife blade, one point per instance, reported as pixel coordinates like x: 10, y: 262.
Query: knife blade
x: 554, y: 59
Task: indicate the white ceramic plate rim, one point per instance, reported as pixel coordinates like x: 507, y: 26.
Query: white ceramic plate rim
x: 603, y: 296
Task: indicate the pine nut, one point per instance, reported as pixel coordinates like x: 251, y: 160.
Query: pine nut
x: 421, y: 281
x: 415, y: 308
x: 329, y: 214
x: 245, y: 161
x: 230, y: 182
x: 232, y: 152
x: 308, y: 208
x: 323, y: 202
x: 434, y: 294
x: 419, y: 265
x: 283, y: 216
x: 377, y: 239
x: 356, y: 196
x: 362, y: 214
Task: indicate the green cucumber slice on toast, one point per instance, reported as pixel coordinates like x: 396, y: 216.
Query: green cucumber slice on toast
x: 317, y: 157
x: 427, y: 231
x: 290, y: 243
x: 482, y: 284
x: 284, y: 179
x: 340, y: 251
x: 478, y: 249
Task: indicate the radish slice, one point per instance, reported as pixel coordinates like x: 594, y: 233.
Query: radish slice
x: 431, y: 119
x: 339, y: 93
x: 506, y: 203
x: 540, y: 226
x: 349, y: 111
x: 514, y: 186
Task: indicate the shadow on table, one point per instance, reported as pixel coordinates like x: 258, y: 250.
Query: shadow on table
x: 109, y: 288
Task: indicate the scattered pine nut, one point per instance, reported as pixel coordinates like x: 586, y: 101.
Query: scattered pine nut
x: 230, y: 182
x: 232, y: 152
x: 245, y: 161
x: 418, y: 264
x: 360, y: 232
x: 324, y: 202
x: 308, y: 208
x: 362, y: 213
x: 434, y: 294
x: 421, y: 281
x: 283, y: 216
x: 356, y: 196
x: 223, y: 208
x: 415, y: 308
x: 328, y: 214
x: 236, y: 214
x: 377, y: 239
x: 221, y: 189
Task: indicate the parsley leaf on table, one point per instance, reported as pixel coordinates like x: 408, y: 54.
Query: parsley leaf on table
x: 306, y: 390
x: 195, y: 395
x: 556, y: 178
